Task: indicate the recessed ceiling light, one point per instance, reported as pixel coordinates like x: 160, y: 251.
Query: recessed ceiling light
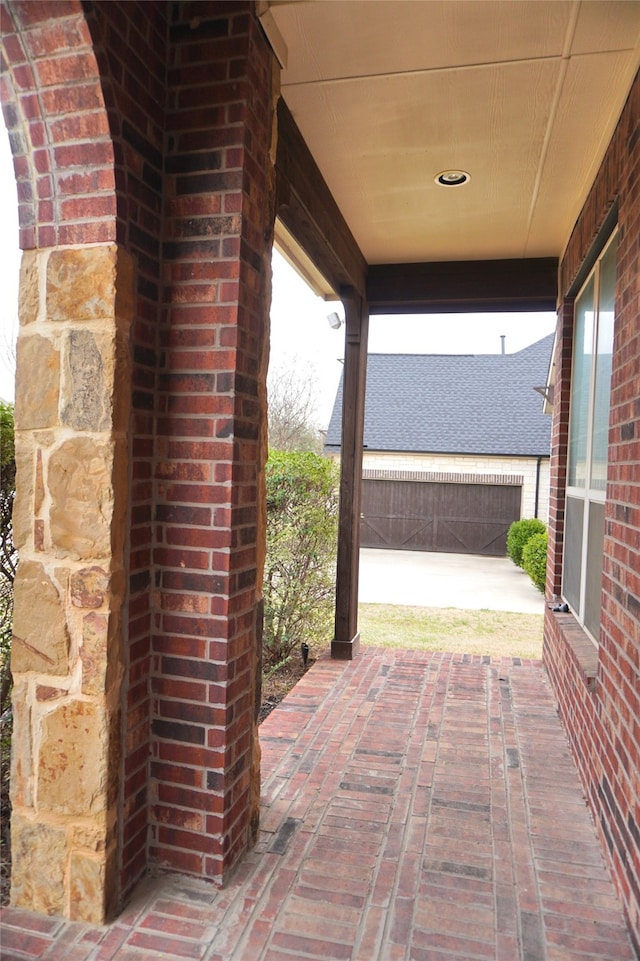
x: 452, y: 178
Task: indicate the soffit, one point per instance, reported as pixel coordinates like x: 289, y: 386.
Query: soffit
x: 524, y: 96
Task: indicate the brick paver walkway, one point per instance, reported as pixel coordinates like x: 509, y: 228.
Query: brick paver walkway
x: 417, y: 807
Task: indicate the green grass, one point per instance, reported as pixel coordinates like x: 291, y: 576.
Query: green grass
x: 497, y: 633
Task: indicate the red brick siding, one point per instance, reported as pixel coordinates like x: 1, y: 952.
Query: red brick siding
x: 219, y: 208
x: 54, y: 111
x: 604, y: 722
x: 130, y: 44
x: 559, y: 446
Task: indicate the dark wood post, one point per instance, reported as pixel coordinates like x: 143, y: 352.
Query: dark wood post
x: 346, y: 641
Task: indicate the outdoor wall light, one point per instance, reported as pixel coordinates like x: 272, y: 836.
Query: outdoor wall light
x: 334, y: 321
x: 452, y: 178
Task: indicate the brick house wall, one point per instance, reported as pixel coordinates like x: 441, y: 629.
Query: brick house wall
x: 598, y: 690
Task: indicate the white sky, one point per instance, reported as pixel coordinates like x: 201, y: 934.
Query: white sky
x: 300, y: 333
x: 299, y: 330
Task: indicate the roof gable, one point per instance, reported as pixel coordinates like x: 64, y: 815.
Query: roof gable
x: 454, y: 403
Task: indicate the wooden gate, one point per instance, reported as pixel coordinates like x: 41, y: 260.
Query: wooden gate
x: 426, y: 516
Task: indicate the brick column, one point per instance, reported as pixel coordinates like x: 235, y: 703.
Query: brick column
x: 559, y: 446
x: 211, y: 440
x: 148, y: 126
x: 72, y: 412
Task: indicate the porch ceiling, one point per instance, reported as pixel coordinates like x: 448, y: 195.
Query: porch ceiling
x: 524, y: 96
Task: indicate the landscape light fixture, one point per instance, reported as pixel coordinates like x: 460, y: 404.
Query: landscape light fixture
x: 334, y: 321
x: 452, y: 178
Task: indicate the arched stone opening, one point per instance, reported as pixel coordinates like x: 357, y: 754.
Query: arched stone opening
x: 143, y: 158
x: 72, y: 415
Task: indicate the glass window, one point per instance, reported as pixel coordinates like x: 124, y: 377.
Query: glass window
x: 582, y: 358
x: 602, y: 386
x: 588, y: 441
x: 574, y: 522
x: 593, y: 572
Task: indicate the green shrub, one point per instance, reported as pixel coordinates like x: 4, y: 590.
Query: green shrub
x: 534, y: 559
x: 518, y: 535
x: 300, y: 563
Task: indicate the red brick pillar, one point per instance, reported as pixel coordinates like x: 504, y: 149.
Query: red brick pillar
x: 211, y: 438
x: 559, y: 446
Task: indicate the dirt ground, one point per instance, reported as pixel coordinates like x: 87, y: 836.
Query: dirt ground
x: 277, y: 684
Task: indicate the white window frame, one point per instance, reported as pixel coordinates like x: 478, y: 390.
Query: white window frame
x: 586, y: 494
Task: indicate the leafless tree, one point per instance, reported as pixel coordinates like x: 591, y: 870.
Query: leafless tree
x: 8, y: 335
x: 292, y: 395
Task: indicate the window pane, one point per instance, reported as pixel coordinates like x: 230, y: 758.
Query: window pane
x: 579, y: 413
x: 603, y: 369
x: 593, y: 581
x: 573, y: 552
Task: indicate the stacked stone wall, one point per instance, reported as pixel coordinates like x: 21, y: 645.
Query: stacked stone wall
x: 599, y: 689
x: 72, y: 415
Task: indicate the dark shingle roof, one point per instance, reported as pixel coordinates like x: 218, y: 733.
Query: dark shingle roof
x: 454, y: 403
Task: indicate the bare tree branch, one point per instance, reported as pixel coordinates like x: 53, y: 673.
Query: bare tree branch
x: 293, y: 393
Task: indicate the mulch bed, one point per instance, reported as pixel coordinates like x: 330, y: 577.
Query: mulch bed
x: 277, y: 684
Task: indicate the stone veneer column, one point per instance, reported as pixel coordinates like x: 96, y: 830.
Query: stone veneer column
x: 72, y: 412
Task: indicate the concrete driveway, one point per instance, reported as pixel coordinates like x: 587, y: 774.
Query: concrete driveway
x: 466, y: 581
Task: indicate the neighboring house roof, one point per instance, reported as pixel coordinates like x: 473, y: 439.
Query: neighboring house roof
x: 454, y: 403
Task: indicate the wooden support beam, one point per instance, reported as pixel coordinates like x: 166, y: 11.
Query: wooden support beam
x: 346, y: 642
x: 464, y: 286
x: 306, y: 207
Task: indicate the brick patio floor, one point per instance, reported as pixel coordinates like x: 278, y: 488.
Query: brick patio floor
x: 417, y: 807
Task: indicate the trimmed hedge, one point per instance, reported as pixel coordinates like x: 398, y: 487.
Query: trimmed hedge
x: 534, y: 559
x: 519, y: 533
